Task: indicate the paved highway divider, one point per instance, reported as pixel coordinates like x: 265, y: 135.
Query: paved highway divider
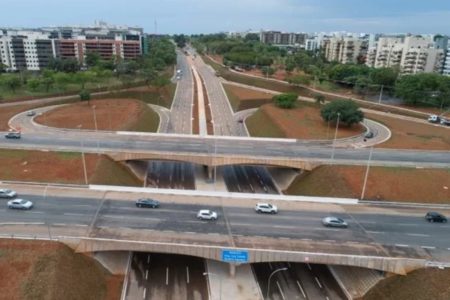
x: 329, y: 200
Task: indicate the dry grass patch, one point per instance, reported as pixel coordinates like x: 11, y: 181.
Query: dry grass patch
x: 302, y: 122
x: 48, y: 270
x: 110, y: 114
x: 62, y: 167
x: 421, y: 284
x: 413, y: 135
x: 242, y: 98
x: 384, y: 183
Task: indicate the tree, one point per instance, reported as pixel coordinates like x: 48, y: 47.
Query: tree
x: 33, y: 84
x: 149, y: 75
x: 320, y: 99
x: 268, y: 71
x: 384, y: 76
x: 62, y: 79
x: 85, y: 95
x: 92, y: 58
x: 12, y: 82
x: 300, y: 79
x: 347, y: 111
x: 251, y: 37
x: 180, y: 40
x: 286, y: 100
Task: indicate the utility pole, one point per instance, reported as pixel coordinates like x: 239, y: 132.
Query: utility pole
x: 367, y: 174
x: 381, y: 94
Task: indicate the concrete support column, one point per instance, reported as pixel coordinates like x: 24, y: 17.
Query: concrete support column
x: 210, y: 171
x: 232, y: 270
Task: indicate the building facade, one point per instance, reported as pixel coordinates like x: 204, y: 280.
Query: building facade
x: 283, y: 38
x: 33, y: 49
x: 345, y: 49
x: 411, y: 55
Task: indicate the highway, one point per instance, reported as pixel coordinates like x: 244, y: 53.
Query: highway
x: 390, y: 227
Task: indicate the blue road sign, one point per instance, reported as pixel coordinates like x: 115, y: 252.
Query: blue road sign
x: 237, y: 256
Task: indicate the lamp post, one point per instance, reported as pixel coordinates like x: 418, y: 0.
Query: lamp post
x: 270, y: 277
x: 83, y: 159
x: 220, y: 282
x: 95, y: 117
x: 381, y: 94
x: 335, y: 135
x: 367, y: 174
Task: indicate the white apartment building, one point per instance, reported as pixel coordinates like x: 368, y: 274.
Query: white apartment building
x: 446, y: 70
x: 312, y: 44
x: 412, y: 55
x: 345, y: 49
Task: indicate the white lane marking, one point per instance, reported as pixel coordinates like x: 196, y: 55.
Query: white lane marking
x: 75, y: 215
x: 36, y: 212
x: 64, y: 224
x: 318, y: 282
x: 148, y: 259
x: 167, y: 276
x: 187, y: 274
x: 270, y: 265
x: 427, y: 247
x: 407, y: 224
x: 281, y: 292
x: 146, y: 274
x: 417, y: 234
x: 376, y: 232
x: 145, y: 293
x: 301, y: 289
x: 22, y: 223
x: 401, y: 245
x: 127, y: 217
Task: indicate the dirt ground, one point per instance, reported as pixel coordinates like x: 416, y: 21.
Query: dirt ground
x: 242, y: 98
x: 6, y: 113
x: 302, y: 122
x: 109, y: 114
x: 383, y: 183
x: 422, y: 284
x: 47, y: 270
x: 413, y: 135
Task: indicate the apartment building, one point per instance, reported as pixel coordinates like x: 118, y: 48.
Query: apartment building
x: 411, y: 54
x: 33, y: 49
x: 446, y: 68
x: 345, y: 49
x: 283, y: 38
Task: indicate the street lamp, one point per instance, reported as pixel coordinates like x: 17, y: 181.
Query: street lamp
x: 83, y: 159
x: 335, y: 135
x: 95, y: 117
x: 220, y: 282
x: 270, y: 277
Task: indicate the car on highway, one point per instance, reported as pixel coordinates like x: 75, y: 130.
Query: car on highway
x: 445, y: 122
x: 334, y: 222
x: 206, y: 214
x: 20, y: 204
x: 6, y: 193
x: 146, y: 202
x: 13, y: 135
x: 266, y: 208
x: 434, y: 119
x: 369, y: 135
x: 31, y: 113
x: 433, y: 216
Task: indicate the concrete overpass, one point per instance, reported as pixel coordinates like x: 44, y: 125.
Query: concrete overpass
x: 105, y: 220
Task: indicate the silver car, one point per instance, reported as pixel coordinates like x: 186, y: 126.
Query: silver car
x: 334, y: 222
x: 20, y: 204
x: 206, y: 214
x: 6, y: 193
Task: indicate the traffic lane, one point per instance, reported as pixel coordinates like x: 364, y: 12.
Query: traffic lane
x: 327, y: 280
x: 167, y: 276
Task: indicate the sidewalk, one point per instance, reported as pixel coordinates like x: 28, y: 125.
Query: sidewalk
x: 241, y: 287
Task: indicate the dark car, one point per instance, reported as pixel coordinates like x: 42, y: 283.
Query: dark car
x: 12, y: 135
x: 147, y: 203
x: 369, y: 135
x: 433, y: 216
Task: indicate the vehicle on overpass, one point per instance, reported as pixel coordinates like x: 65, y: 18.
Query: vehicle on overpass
x: 20, y: 204
x: 206, y: 214
x: 147, y: 202
x: 434, y: 119
x: 334, y: 222
x: 6, y: 193
x: 266, y: 208
x: 433, y: 216
x: 31, y: 113
x: 13, y: 135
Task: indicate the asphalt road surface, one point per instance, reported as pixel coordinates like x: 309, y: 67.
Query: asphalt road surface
x: 169, y: 175
x: 166, y: 277
x: 401, y: 227
x: 298, y: 281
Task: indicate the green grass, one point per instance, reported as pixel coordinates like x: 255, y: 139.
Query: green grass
x: 260, y: 125
x: 234, y: 100
x: 148, y: 121
x: 109, y: 172
x: 320, y: 182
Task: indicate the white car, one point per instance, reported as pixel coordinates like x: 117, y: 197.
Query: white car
x: 266, y: 208
x: 206, y: 214
x: 20, y: 204
x: 334, y: 222
x: 5, y: 193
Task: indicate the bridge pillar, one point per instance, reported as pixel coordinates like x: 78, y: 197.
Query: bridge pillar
x: 210, y: 171
x: 232, y: 270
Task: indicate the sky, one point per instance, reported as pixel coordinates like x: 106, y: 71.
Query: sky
x: 209, y: 16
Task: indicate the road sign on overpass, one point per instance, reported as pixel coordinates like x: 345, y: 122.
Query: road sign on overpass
x: 235, y: 256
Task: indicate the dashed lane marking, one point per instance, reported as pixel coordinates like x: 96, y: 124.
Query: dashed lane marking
x: 301, y: 289
x: 401, y: 245
x: 428, y: 247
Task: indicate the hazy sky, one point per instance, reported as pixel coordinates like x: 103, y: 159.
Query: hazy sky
x: 205, y: 16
